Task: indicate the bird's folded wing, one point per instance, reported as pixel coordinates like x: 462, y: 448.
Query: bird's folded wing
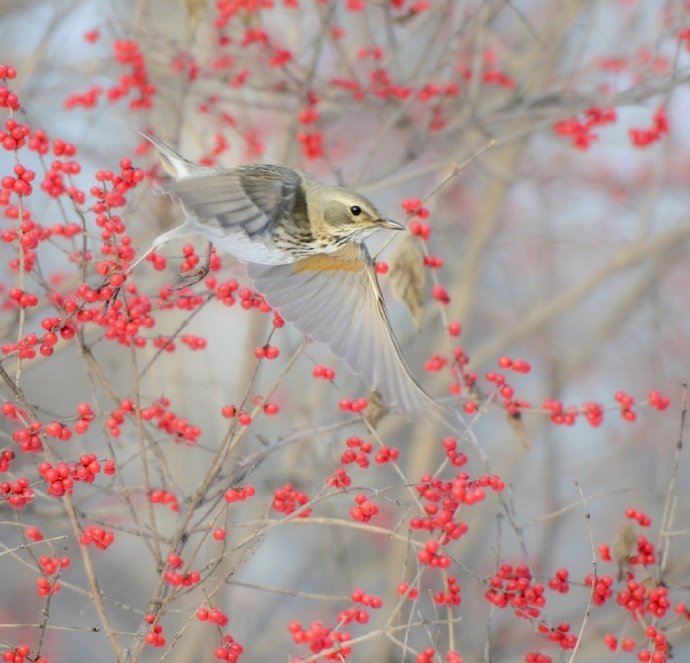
x: 336, y: 299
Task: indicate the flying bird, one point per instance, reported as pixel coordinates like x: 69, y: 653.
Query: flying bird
x: 302, y: 244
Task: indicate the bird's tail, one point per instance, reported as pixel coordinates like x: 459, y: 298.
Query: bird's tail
x: 173, y: 163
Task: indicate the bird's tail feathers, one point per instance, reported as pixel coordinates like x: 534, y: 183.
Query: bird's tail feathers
x: 173, y: 163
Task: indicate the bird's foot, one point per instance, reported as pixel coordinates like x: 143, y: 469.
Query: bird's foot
x: 190, y: 278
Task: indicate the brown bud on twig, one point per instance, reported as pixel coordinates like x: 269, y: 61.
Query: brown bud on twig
x: 518, y: 426
x: 622, y: 546
x: 376, y: 409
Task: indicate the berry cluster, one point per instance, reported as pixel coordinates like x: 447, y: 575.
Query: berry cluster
x: 8, y: 99
x: 239, y: 494
x: 214, y: 615
x: 580, y: 130
x: 355, y: 406
x: 429, y: 655
x: 323, y: 372
x: 457, y: 458
x: 364, y: 509
x: 444, y: 499
x: 95, y: 535
x: 154, y: 637
x: 645, y: 137
x: 176, y: 579
x: 319, y: 637
x: 62, y: 476
x: 51, y: 567
x: 29, y: 437
x: 166, y: 498
x: 160, y: 413
x: 341, y: 479
x: 229, y: 650
x: 359, y: 450
x: 288, y: 499
x: 451, y: 596
x: 515, y: 587
x: 17, y: 493
x: 20, y: 653
x: 356, y: 614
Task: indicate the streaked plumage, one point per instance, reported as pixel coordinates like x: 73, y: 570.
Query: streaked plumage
x: 302, y: 245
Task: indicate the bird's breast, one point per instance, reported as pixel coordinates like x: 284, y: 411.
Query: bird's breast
x: 348, y: 258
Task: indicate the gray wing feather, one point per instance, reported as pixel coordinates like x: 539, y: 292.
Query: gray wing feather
x: 250, y: 199
x: 344, y: 311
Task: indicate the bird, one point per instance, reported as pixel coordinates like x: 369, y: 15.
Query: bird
x: 302, y: 244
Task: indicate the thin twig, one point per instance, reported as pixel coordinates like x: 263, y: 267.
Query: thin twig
x: 664, y: 544
x: 588, y: 521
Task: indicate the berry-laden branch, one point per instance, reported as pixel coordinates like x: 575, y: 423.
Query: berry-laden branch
x: 176, y: 459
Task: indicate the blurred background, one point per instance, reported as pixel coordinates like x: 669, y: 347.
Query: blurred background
x: 549, y: 143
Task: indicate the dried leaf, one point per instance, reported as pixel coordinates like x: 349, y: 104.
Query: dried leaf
x: 623, y: 545
x: 196, y: 9
x: 251, y: 18
x: 518, y: 426
x: 376, y: 409
x: 408, y: 277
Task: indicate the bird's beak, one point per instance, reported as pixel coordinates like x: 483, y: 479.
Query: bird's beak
x: 389, y: 224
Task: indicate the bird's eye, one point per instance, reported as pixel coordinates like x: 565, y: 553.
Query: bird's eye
x: 356, y: 210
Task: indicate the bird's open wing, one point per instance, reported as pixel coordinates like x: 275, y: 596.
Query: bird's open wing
x: 335, y: 298
x: 230, y: 205
x: 249, y: 200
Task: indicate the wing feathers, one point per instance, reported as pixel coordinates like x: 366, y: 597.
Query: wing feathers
x: 342, y: 307
x: 250, y: 199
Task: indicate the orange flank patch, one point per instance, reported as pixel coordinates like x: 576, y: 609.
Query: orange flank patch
x: 347, y: 259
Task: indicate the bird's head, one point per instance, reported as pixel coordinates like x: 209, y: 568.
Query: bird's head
x: 350, y: 216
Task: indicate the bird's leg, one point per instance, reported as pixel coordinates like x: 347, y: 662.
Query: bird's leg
x: 190, y: 278
x: 126, y: 273
x: 140, y: 259
x: 159, y: 242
